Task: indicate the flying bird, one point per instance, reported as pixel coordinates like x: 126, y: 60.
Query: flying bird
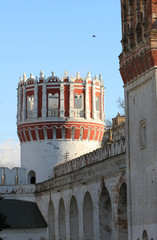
x: 94, y: 36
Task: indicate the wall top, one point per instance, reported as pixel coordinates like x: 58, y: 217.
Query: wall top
x: 54, y: 79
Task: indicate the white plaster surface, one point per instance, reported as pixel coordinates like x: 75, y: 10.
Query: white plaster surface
x: 42, y: 156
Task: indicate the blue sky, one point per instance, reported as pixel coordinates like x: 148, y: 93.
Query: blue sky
x: 57, y: 35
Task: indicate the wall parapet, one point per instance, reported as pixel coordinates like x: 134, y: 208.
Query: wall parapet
x: 109, y: 150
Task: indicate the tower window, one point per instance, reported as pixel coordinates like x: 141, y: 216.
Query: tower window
x: 31, y: 177
x: 142, y: 133
x: 53, y: 104
x: 30, y: 106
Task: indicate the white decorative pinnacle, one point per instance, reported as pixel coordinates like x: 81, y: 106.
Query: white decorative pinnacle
x: 31, y: 76
x: 53, y: 74
x: 77, y: 75
x: 96, y: 77
x: 24, y: 76
x: 41, y: 75
x: 88, y: 75
x: 66, y: 73
x: 21, y: 79
x: 100, y: 77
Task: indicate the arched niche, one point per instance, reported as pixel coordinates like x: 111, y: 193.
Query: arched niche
x: 62, y: 220
x: 144, y: 235
x: 105, y: 215
x: 31, y: 178
x: 51, y: 221
x: 74, y: 224
x: 88, y: 217
x: 122, y: 213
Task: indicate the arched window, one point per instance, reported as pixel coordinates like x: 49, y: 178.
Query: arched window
x: 79, y: 105
x: 30, y: 106
x: 53, y: 105
x: 31, y: 177
x: 98, y: 107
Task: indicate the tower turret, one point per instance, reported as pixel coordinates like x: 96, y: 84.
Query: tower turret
x: 138, y: 67
x: 58, y: 120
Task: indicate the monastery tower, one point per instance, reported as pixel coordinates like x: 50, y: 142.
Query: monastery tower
x: 138, y: 67
x: 58, y: 120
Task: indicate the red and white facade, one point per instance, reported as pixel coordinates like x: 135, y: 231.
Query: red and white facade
x: 58, y: 120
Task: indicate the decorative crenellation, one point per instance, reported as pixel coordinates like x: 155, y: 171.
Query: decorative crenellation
x: 55, y: 79
x: 110, y: 150
x: 54, y: 98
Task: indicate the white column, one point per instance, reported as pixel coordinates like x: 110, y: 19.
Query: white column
x: 102, y: 104
x: 24, y: 104
x: 93, y: 102
x: 19, y: 103
x: 87, y: 111
x: 62, y: 100
x: 71, y: 110
x: 44, y: 110
x: 36, y: 101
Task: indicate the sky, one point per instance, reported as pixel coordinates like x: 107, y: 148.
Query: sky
x: 54, y: 36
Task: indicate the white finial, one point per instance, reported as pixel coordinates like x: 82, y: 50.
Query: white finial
x: 100, y: 77
x: 31, y: 75
x: 24, y: 76
x: 96, y: 77
x: 77, y: 75
x: 61, y: 78
x: 66, y: 73
x: 21, y: 79
x: 53, y: 74
x: 42, y: 74
x: 88, y: 75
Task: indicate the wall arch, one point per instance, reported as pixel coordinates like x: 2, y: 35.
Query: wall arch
x: 122, y: 213
x: 88, y: 217
x: 62, y: 220
x: 51, y: 221
x: 74, y: 223
x: 105, y: 215
x: 144, y: 235
x: 31, y: 178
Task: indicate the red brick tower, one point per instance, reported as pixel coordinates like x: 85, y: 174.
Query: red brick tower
x: 138, y: 68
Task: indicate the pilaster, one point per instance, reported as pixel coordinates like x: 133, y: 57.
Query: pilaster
x: 87, y: 111
x: 71, y: 110
x: 93, y: 101
x: 36, y: 101
x: 24, y: 104
x: 44, y: 110
x: 62, y: 100
x: 19, y: 103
